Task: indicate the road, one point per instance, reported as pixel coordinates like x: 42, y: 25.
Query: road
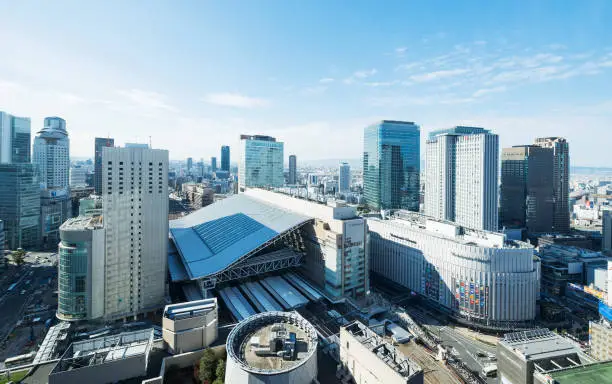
x: 30, y: 277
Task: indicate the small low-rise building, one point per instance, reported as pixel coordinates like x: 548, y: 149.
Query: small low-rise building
x: 190, y: 326
x: 368, y: 358
x: 522, y: 355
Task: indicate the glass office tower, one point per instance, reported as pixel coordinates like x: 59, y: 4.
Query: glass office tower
x: 225, y: 158
x: 391, y: 165
x: 20, y: 205
x: 261, y: 162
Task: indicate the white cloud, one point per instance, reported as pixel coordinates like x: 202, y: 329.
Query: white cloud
x: 147, y: 100
x: 380, y: 83
x: 326, y: 80
x: 235, y: 100
x: 486, y: 91
x: 316, y: 90
x: 365, y: 73
x: 401, y: 51
x: 437, y: 75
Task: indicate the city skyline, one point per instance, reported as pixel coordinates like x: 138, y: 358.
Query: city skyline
x: 521, y: 77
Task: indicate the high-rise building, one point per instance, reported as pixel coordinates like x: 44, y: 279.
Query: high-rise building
x: 527, y: 188
x: 20, y: 205
x: 213, y: 164
x: 225, y: 158
x: 52, y: 160
x: 2, y: 242
x: 189, y: 163
x: 292, y: 170
x: 135, y: 211
x: 261, y: 162
x: 100, y: 142
x: 52, y: 154
x: 78, y: 176
x: 561, y: 166
x: 14, y: 139
x: 81, y: 268
x: 391, y: 165
x: 461, y: 177
x: 344, y: 178
x: 606, y: 222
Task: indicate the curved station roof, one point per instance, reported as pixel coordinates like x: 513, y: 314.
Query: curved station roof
x: 217, y: 236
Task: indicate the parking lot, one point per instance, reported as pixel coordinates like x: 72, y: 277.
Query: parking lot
x: 27, y: 301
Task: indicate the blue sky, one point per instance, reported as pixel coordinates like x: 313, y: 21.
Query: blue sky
x: 194, y: 75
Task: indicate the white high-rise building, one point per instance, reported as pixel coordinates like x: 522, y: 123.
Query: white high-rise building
x: 461, y: 177
x: 344, y: 178
x: 52, y: 154
x: 135, y: 211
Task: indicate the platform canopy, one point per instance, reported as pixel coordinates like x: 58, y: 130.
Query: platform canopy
x: 214, y: 238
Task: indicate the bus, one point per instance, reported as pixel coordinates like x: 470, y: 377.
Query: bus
x: 489, y: 370
x: 17, y: 361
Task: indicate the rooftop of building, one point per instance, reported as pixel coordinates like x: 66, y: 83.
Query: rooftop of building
x: 215, y: 237
x: 542, y: 346
x: 262, y: 343
x: 83, y: 222
x: 258, y: 137
x: 458, y: 130
x: 450, y: 230
x: 190, y: 309
x: 105, y: 349
x: 596, y: 373
x: 383, y: 350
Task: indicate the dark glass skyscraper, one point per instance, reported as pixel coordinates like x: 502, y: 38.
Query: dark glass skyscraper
x: 527, y: 188
x: 225, y: 158
x: 391, y: 165
x: 292, y: 170
x: 213, y: 163
x: 100, y: 143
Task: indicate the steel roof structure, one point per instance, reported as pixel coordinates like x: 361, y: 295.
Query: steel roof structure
x: 219, y: 237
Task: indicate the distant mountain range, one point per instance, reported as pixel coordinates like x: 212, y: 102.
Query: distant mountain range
x: 591, y: 171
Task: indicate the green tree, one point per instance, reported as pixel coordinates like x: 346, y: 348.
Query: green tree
x: 18, y: 256
x: 208, y: 363
x: 220, y: 372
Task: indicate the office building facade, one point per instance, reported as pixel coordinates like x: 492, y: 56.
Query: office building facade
x: 292, y: 180
x: 225, y: 158
x: 472, y: 274
x: 261, y: 162
x: 606, y: 223
x: 135, y: 193
x: 100, y: 142
x: 78, y: 176
x: 461, y: 177
x: 527, y: 188
x: 81, y: 269
x: 344, y: 178
x: 561, y: 166
x: 15, y: 135
x: 20, y: 205
x: 213, y: 164
x: 52, y: 160
x: 391, y: 165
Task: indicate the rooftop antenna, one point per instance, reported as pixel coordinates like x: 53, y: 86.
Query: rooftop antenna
x: 150, y: 146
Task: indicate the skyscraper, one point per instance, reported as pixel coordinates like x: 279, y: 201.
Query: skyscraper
x: 20, y: 205
x: 344, y: 178
x: 606, y: 223
x: 100, y: 142
x: 461, y: 177
x: 135, y: 212
x: 52, y: 154
x: 14, y: 139
x: 391, y: 165
x: 527, y: 188
x: 213, y: 164
x: 561, y: 166
x: 225, y: 158
x: 52, y: 160
x: 261, y: 162
x: 292, y: 170
x: 189, y: 163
